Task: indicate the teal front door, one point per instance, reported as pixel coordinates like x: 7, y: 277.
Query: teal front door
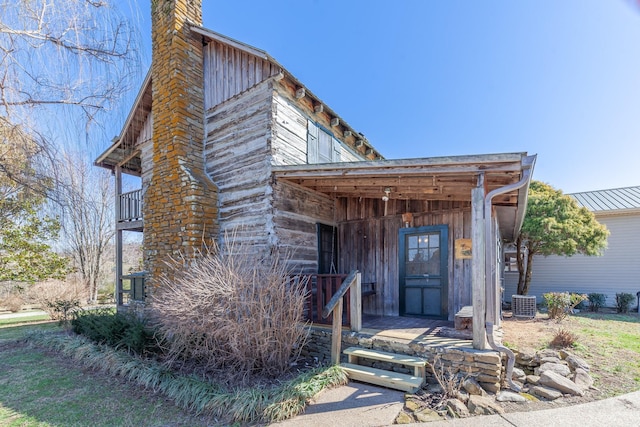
x: 424, y: 271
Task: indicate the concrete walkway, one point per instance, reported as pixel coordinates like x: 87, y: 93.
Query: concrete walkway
x: 365, y: 405
x: 22, y: 314
x: 352, y: 405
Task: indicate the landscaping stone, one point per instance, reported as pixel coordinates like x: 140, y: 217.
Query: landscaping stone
x: 533, y: 379
x: 404, y: 418
x: 508, y: 396
x: 582, y: 379
x: 481, y: 405
x: 490, y: 387
x: 473, y: 388
x: 545, y: 392
x: 558, y: 382
x: 427, y: 415
x: 576, y: 362
x: 558, y: 368
x: 458, y: 408
x: 518, y: 375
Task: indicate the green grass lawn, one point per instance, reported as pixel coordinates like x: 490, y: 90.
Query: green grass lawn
x: 39, y: 388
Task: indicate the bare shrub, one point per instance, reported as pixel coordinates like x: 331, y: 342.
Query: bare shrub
x: 13, y: 302
x: 230, y: 311
x: 563, y: 338
x: 449, y: 380
x: 51, y: 295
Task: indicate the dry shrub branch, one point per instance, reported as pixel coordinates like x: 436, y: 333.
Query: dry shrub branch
x: 231, y: 311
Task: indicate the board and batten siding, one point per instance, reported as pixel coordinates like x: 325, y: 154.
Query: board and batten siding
x: 237, y: 158
x: 617, y: 270
x: 290, y: 129
x: 144, y: 143
x: 369, y: 243
x: 229, y: 71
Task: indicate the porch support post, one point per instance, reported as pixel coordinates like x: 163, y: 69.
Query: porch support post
x: 356, y: 304
x: 118, y: 287
x: 478, y: 275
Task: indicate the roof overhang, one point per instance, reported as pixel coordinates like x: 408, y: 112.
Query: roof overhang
x: 435, y: 178
x: 123, y: 151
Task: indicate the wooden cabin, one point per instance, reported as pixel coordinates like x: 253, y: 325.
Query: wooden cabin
x: 225, y: 139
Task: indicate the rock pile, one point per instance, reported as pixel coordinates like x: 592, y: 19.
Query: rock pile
x: 543, y: 375
x: 551, y: 374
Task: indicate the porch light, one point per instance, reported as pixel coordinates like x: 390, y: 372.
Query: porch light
x: 387, y: 192
x: 385, y: 199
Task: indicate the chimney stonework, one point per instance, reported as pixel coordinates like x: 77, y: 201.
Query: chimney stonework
x: 180, y: 209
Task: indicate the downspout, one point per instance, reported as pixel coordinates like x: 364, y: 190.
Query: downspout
x: 527, y: 171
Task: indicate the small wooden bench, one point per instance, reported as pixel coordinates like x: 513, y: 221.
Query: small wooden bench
x: 464, y: 318
x: 368, y: 289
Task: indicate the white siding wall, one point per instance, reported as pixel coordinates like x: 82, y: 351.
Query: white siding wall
x: 618, y: 270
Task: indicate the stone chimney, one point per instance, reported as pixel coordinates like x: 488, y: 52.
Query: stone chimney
x: 180, y: 205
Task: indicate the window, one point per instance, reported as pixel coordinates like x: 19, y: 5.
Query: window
x: 510, y: 262
x: 322, y: 147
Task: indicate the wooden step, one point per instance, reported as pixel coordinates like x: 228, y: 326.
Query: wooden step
x: 383, y: 378
x: 356, y: 353
x: 384, y: 356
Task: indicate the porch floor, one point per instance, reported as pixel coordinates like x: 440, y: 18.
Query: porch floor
x: 422, y: 331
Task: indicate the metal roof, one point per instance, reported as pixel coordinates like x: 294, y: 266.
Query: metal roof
x: 609, y: 200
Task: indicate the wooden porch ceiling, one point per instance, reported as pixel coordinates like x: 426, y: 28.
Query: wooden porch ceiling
x: 450, y: 178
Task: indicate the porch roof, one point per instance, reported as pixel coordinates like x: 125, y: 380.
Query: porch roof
x: 434, y: 178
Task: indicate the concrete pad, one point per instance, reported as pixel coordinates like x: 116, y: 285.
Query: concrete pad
x: 618, y: 411
x: 352, y: 405
x: 621, y: 411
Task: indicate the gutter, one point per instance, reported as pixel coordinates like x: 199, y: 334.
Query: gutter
x: 527, y: 171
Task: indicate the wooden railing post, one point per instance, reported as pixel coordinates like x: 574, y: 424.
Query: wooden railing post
x: 336, y: 333
x: 356, y: 304
x: 335, y: 306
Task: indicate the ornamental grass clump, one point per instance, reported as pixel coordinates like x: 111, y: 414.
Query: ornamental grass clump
x: 230, y: 313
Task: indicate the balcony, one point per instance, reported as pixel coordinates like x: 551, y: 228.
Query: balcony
x: 129, y: 211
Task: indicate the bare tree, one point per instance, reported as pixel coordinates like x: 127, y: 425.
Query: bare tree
x: 84, y: 195
x: 63, y: 52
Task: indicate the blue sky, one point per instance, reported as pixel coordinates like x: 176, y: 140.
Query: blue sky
x: 560, y: 79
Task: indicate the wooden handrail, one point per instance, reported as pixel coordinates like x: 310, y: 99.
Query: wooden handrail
x: 339, y: 294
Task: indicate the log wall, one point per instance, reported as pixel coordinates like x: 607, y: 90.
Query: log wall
x: 237, y: 159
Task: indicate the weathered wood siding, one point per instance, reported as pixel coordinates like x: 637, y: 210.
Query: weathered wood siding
x: 290, y: 118
x: 237, y: 159
x: 617, y: 270
x: 229, y: 71
x: 368, y: 241
x: 144, y: 143
x: 296, y: 214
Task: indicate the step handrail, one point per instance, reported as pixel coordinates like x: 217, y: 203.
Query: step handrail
x: 339, y: 293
